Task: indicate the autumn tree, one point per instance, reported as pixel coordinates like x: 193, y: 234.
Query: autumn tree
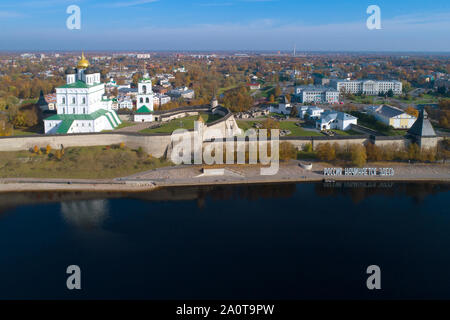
x: 373, y: 152
x: 287, y: 151
x: 270, y: 123
x: 308, y: 147
x: 5, y: 128
x: 412, y: 111
x: 277, y: 91
x: 358, y: 155
x: 413, y: 151
x: 325, y: 151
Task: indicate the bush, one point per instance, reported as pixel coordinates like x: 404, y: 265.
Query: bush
x: 140, y: 152
x: 287, y: 151
x: 308, y: 147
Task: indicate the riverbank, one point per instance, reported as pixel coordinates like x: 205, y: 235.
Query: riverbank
x: 226, y: 175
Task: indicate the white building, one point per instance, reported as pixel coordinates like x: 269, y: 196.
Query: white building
x: 143, y: 114
x: 181, y: 69
x: 145, y: 94
x: 125, y: 103
x: 182, y: 92
x: 81, y: 104
x: 143, y: 56
x: 317, y: 94
x: 310, y: 111
x: 282, y: 108
x: 160, y: 99
x: 368, y: 87
x: 336, y: 120
x: 392, y: 116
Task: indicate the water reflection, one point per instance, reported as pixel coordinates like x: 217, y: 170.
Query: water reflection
x: 74, y: 205
x: 86, y: 214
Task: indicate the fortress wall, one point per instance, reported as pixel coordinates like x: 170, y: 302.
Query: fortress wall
x: 401, y: 143
x: 155, y: 145
x: 339, y: 142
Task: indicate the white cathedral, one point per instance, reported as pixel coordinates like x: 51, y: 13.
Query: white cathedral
x: 82, y: 106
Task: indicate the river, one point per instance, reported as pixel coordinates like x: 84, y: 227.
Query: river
x: 285, y: 241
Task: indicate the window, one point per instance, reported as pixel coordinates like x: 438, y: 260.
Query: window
x: 144, y: 89
x: 142, y: 100
x: 63, y: 100
x: 84, y: 100
x: 84, y: 110
x: 73, y: 110
x: 146, y: 100
x: 73, y: 100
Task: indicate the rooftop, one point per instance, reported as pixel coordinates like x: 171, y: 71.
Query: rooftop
x: 77, y: 84
x: 422, y: 127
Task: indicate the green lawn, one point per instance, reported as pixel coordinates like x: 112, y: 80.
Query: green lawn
x: 363, y: 99
x: 390, y: 132
x: 426, y: 98
x: 284, y: 125
x: 297, y: 131
x: 265, y: 91
x: 346, y: 133
x: 124, y: 124
x: 24, y: 132
x: 29, y: 101
x: 245, y: 125
x: 78, y: 162
x: 183, y: 123
x: 222, y: 90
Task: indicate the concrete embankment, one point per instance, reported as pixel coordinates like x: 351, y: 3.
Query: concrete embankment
x: 290, y: 172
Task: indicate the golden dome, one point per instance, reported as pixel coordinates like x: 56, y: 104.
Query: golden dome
x: 83, y: 63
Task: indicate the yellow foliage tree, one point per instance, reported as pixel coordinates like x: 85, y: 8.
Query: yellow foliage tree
x: 358, y: 153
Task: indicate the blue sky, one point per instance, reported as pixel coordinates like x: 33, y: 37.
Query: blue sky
x: 318, y: 25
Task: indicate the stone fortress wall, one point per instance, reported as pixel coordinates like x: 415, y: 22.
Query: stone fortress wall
x: 159, y: 145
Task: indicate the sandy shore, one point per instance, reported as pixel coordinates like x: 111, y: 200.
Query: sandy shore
x: 193, y: 176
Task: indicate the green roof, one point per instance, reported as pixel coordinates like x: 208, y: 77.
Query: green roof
x: 91, y: 116
x: 78, y: 84
x: 64, y: 126
x: 144, y: 109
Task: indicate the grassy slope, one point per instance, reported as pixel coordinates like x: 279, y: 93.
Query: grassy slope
x: 183, y: 123
x: 82, y: 162
x: 284, y: 125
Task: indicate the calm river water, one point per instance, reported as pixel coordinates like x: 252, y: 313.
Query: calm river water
x: 288, y: 241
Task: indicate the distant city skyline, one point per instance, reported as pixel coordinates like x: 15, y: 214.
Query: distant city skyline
x: 247, y: 25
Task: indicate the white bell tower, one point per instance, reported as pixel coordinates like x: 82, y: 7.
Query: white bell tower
x: 145, y: 93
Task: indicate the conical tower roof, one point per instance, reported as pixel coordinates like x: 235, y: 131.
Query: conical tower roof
x: 422, y: 127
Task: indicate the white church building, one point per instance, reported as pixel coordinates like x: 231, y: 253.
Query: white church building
x: 82, y: 106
